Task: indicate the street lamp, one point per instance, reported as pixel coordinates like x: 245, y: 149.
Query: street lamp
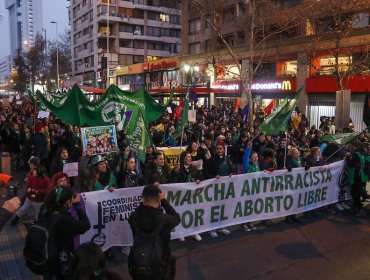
x: 56, y: 31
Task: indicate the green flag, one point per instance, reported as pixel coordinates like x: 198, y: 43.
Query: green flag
x: 139, y: 139
x: 183, y: 121
x: 277, y: 110
x: 280, y: 120
x: 341, y: 139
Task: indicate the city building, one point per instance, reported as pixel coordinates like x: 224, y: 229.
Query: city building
x: 5, y: 68
x: 25, y: 21
x: 279, y: 47
x: 112, y: 34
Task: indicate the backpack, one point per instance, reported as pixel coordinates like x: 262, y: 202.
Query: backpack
x: 146, y: 254
x: 40, y: 251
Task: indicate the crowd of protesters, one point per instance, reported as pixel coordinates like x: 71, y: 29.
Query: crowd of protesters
x: 220, y: 143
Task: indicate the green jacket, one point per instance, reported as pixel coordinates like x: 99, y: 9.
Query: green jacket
x: 351, y: 172
x: 112, y: 183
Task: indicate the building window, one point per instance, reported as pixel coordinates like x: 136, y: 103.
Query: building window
x: 124, y: 43
x: 164, y: 17
x: 194, y: 48
x: 138, y: 58
x: 288, y: 3
x: 139, y: 44
x: 138, y: 30
x: 286, y: 68
x: 195, y: 26
x: 154, y: 31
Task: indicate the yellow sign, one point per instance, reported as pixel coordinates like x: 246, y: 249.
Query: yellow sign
x: 286, y: 85
x: 172, y: 155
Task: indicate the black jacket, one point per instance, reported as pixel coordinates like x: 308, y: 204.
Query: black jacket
x: 67, y: 228
x: 5, y: 215
x: 147, y: 219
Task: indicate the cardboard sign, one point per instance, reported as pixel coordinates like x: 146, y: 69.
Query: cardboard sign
x: 71, y: 169
x: 192, y: 116
x: 43, y: 114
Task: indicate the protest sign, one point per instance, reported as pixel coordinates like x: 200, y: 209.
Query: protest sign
x: 43, y: 114
x: 100, y: 139
x: 71, y: 169
x: 172, y: 155
x: 192, y: 116
x: 215, y: 204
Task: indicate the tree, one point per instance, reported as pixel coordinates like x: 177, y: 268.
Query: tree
x: 337, y: 27
x: 20, y: 75
x: 263, y: 24
x: 64, y: 59
x: 36, y: 60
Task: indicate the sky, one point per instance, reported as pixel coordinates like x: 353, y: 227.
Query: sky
x: 53, y: 10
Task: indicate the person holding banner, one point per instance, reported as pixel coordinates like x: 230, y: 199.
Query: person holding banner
x: 157, y: 171
x: 102, y: 177
x: 186, y: 173
x: 293, y: 161
x: 220, y: 165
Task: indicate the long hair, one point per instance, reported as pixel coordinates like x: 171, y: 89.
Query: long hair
x: 90, y: 262
x: 56, y: 177
x: 56, y: 199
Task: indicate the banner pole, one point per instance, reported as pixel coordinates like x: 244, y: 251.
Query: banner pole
x: 340, y: 148
x: 286, y: 138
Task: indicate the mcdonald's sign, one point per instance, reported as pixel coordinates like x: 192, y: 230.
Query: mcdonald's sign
x: 286, y: 85
x: 276, y: 85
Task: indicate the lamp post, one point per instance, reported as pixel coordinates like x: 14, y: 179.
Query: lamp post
x: 189, y: 72
x: 83, y: 73
x: 56, y: 32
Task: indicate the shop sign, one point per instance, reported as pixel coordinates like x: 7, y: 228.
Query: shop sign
x: 226, y: 86
x: 155, y: 66
x: 285, y: 85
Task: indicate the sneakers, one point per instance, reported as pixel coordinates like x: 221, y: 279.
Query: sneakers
x: 339, y: 207
x: 213, y: 233
x: 345, y: 205
x: 182, y: 239
x: 197, y: 237
x: 245, y: 227
x: 126, y: 250
x: 224, y: 231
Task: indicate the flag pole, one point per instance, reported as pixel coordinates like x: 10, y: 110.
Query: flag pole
x: 340, y: 148
x: 286, y: 144
x: 182, y: 122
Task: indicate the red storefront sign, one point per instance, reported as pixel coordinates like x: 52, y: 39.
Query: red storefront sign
x: 329, y: 84
x: 155, y: 66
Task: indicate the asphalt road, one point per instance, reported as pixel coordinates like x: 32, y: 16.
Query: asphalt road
x: 329, y: 246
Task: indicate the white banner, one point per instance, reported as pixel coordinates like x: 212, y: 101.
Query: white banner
x: 214, y: 204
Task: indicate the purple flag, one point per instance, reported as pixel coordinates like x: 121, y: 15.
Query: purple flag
x: 245, y: 112
x: 192, y: 96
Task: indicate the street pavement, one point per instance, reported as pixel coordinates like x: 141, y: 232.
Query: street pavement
x: 327, y: 246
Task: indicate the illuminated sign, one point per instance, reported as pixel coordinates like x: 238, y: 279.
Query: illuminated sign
x: 284, y: 85
x: 231, y: 87
x: 159, y: 65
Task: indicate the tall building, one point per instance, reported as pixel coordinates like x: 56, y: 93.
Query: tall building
x: 108, y: 34
x: 25, y: 21
x: 5, y: 68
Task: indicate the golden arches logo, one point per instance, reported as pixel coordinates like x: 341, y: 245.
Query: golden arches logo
x: 286, y: 85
